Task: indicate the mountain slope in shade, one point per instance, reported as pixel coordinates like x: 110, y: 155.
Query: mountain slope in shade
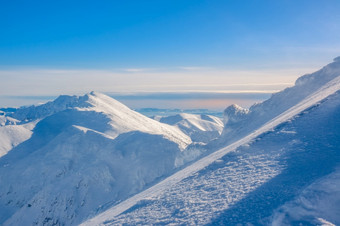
x: 317, y: 204
x: 78, y: 172
x: 82, y: 158
x: 251, y: 180
x: 200, y: 128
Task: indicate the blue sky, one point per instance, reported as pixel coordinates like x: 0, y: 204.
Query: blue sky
x: 152, y: 43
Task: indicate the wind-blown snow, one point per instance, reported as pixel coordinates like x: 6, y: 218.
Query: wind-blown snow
x: 244, y: 121
x: 234, y: 114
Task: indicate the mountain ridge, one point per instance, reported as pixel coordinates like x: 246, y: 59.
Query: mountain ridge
x: 82, y: 155
x: 120, y: 213
x: 93, y: 148
x: 260, y: 113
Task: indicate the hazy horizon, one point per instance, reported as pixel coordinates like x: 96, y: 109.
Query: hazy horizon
x: 204, y: 100
x: 162, y: 46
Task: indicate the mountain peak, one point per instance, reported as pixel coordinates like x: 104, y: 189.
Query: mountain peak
x: 94, y: 94
x: 91, y: 100
x: 61, y: 103
x: 234, y: 113
x: 239, y: 123
x: 94, y: 109
x: 320, y: 77
x: 336, y: 59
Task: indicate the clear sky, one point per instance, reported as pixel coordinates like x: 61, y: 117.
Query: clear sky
x: 72, y: 47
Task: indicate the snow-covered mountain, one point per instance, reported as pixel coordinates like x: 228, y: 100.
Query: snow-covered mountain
x: 200, y: 128
x: 84, y: 153
x: 80, y: 109
x: 284, y: 172
x: 13, y: 132
x: 240, y: 122
x: 90, y: 156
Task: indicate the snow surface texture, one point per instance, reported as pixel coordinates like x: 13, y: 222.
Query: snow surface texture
x: 315, y: 204
x: 248, y: 180
x: 85, y: 153
x: 200, y: 128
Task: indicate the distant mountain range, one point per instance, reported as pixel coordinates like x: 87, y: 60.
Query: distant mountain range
x: 91, y: 159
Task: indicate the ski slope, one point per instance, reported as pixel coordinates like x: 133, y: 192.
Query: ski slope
x: 156, y: 190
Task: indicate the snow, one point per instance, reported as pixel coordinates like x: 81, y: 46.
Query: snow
x: 336, y: 59
x: 154, y: 112
x: 90, y: 158
x: 247, y: 180
x: 316, y: 203
x: 63, y: 102
x: 200, y: 128
x: 234, y: 113
x: 79, y: 171
x: 12, y: 133
x: 6, y: 120
x: 85, y: 153
x: 120, y: 119
x: 123, y: 119
x: 245, y: 122
x: 11, y: 136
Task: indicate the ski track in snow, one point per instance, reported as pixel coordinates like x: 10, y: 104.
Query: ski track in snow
x: 249, y: 180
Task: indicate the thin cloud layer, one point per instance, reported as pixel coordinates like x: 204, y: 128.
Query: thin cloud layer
x: 54, y: 82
